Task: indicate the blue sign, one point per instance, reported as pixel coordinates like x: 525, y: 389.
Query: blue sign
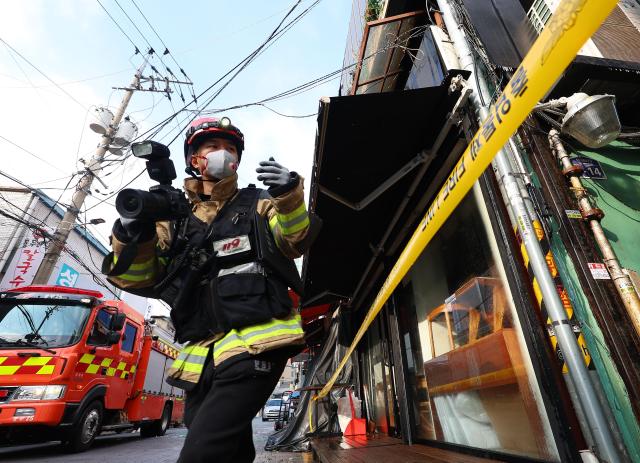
x: 590, y: 168
x: 68, y: 276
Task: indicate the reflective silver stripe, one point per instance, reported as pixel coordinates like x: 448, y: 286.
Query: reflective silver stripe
x: 251, y: 267
x: 230, y: 337
x: 296, y: 220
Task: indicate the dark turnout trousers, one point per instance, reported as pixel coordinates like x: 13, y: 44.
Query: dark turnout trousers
x: 219, y: 411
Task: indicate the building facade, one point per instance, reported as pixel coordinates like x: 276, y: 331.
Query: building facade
x: 22, y: 247
x: 463, y: 354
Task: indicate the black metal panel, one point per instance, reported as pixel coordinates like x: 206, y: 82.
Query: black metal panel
x: 503, y: 27
x: 362, y: 141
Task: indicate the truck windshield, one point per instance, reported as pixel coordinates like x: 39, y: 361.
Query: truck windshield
x: 46, y: 324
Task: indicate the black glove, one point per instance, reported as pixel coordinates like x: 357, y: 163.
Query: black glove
x: 127, y: 229
x: 277, y: 178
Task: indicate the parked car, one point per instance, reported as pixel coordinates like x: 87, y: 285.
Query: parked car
x: 271, y: 409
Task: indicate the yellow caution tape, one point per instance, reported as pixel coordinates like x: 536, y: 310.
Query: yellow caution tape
x: 573, y: 22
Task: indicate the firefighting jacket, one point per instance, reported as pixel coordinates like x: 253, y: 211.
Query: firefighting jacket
x: 289, y: 224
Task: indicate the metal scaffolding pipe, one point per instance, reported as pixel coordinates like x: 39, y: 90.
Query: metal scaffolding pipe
x: 593, y: 408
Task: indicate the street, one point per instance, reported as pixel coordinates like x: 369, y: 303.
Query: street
x: 127, y: 447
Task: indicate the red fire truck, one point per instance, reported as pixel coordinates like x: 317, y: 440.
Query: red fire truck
x: 73, y: 365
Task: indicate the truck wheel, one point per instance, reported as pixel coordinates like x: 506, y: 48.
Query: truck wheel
x: 86, y: 429
x: 157, y: 427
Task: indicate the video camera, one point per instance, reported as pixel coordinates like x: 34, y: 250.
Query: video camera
x: 161, y: 202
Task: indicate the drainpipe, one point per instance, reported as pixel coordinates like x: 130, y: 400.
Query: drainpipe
x: 593, y: 215
x: 593, y: 409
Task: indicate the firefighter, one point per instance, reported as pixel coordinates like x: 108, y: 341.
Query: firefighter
x: 238, y: 322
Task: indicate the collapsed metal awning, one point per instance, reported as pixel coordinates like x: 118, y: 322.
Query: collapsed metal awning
x: 373, y: 163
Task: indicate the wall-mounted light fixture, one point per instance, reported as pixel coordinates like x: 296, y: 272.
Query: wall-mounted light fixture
x: 592, y: 120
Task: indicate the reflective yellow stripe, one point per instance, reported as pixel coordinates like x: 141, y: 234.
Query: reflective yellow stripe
x: 292, y: 222
x: 111, y: 371
x: 93, y: 368
x: 273, y: 223
x: 252, y: 334
x: 194, y: 349
x: 187, y: 366
x: 46, y: 370
x: 8, y: 370
x: 275, y: 230
x: 297, y: 212
x: 147, y: 264
x: 86, y: 358
x: 32, y: 361
x: 263, y: 326
x: 106, y: 362
x: 137, y: 278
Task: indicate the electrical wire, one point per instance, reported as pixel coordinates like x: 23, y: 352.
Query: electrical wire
x: 134, y: 25
x: 31, y: 153
x: 19, y: 182
x: 31, y: 84
x: 137, y: 50
x: 66, y: 249
x: 166, y: 48
x: 18, y: 208
x: 57, y: 201
x: 119, y: 190
x: 43, y: 74
x: 286, y: 115
x: 71, y: 82
x: 273, y: 36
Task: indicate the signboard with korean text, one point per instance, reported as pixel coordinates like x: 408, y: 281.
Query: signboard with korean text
x: 25, y: 262
x: 68, y: 276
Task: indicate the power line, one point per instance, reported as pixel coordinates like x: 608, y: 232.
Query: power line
x: 43, y: 74
x: 30, y: 153
x: 166, y: 48
x: 46, y: 234
x: 272, y: 37
x: 137, y: 50
x: 151, y: 50
x: 19, y: 182
x: 286, y: 115
x: 116, y: 192
x: 31, y: 84
x: 70, y: 252
x: 70, y: 82
x: 66, y: 187
x: 275, y: 34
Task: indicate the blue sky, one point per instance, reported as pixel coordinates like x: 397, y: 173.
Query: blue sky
x: 74, y: 42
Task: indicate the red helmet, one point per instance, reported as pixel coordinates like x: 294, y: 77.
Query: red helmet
x: 204, y: 127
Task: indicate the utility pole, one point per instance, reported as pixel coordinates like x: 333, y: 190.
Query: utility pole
x: 71, y: 215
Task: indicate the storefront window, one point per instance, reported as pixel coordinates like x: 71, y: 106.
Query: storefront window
x: 470, y: 380
x: 378, y: 380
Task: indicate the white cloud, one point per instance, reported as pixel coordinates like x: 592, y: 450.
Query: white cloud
x: 21, y: 21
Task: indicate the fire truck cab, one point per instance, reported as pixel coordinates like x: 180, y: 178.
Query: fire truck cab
x: 73, y: 365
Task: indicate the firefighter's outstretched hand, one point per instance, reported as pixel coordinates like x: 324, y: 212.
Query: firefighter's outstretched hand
x: 272, y: 174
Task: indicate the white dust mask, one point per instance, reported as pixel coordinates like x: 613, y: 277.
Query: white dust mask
x: 220, y: 164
